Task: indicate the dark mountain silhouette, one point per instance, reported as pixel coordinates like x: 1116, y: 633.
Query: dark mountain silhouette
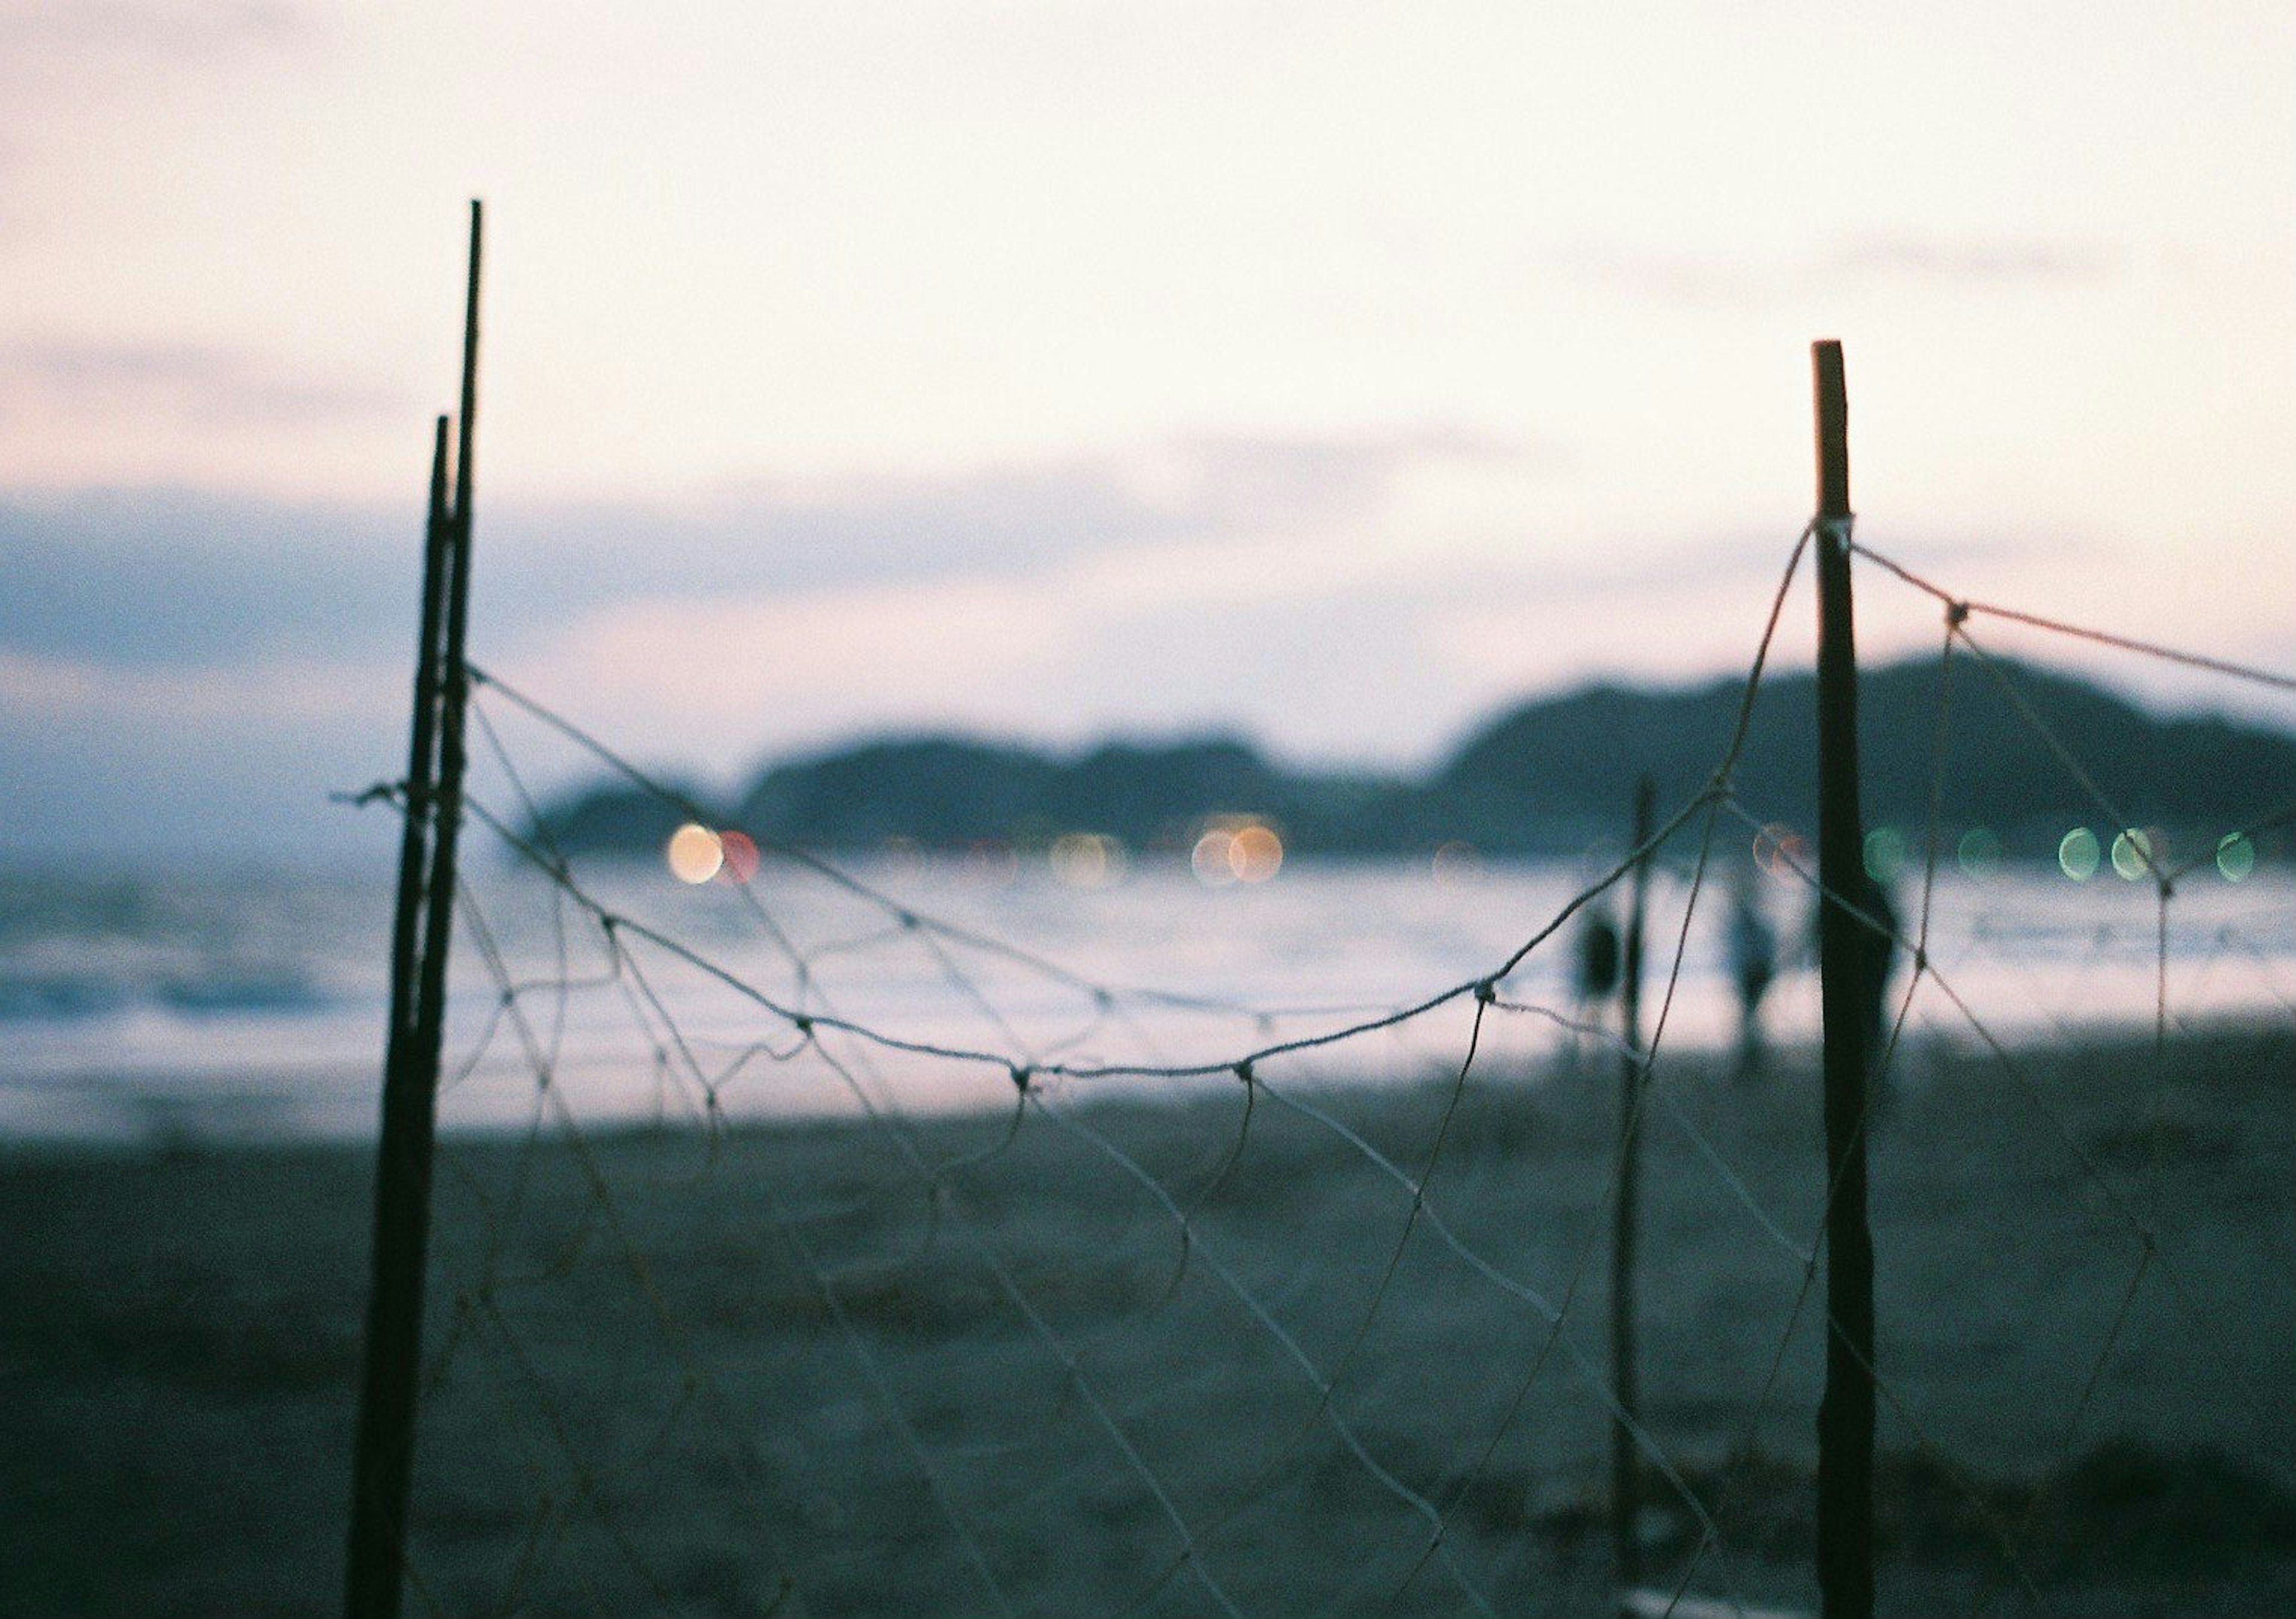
x: 943, y: 791
x: 1545, y: 777
x: 616, y: 816
x: 1576, y: 757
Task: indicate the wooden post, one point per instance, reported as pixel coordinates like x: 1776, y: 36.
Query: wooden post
x: 1626, y: 1464
x: 383, y: 1454
x: 1845, y: 1416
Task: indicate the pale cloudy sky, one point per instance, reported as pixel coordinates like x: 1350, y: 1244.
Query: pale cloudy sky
x: 1334, y: 372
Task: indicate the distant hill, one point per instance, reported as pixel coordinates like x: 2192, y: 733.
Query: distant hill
x: 1576, y: 757
x: 944, y: 790
x: 951, y: 792
x: 1544, y: 777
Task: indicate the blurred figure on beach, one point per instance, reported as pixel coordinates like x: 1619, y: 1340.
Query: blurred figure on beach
x: 1753, y: 950
x: 1594, y: 977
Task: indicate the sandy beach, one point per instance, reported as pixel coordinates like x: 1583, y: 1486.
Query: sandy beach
x: 972, y: 1365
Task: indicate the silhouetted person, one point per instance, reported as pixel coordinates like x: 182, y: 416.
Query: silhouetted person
x: 1753, y: 945
x: 1595, y: 971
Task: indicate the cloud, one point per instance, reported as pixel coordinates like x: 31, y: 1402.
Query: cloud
x: 241, y: 675
x: 1852, y: 264
x: 174, y: 665
x: 68, y: 691
x: 1064, y: 655
x: 179, y: 580
x: 999, y: 517
x: 175, y: 578
x: 706, y: 679
x: 1671, y: 277
x: 174, y: 32
x: 105, y: 380
x: 1262, y: 482
x: 1361, y: 656
x: 81, y: 78
x: 1973, y: 259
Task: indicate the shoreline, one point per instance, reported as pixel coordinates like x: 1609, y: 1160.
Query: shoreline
x: 178, y: 1109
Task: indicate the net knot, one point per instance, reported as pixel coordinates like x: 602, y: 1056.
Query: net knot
x: 1244, y: 1071
x: 1022, y: 1075
x: 381, y: 792
x: 1487, y: 991
x: 1957, y: 614
x: 803, y: 1024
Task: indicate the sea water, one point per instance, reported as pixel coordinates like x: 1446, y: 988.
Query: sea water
x: 170, y: 1004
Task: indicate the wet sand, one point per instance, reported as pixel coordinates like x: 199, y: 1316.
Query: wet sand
x: 672, y: 1374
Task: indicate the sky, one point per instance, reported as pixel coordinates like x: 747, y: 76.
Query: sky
x: 1333, y: 374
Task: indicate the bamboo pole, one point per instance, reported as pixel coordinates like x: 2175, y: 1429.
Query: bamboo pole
x: 1845, y: 1416
x: 382, y: 1459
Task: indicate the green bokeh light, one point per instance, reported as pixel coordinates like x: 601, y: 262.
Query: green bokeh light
x: 1885, y: 854
x: 2132, y: 854
x: 2077, y: 854
x: 1979, y: 853
x: 2235, y: 856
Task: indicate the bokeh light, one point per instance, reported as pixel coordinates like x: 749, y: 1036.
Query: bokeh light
x: 1885, y: 854
x: 2132, y: 854
x: 2235, y: 856
x: 1211, y: 858
x: 1778, y: 849
x: 1086, y: 860
x: 1979, y: 853
x: 1456, y: 863
x: 741, y: 852
x: 1255, y: 854
x: 2077, y: 854
x: 694, y: 853
x: 1236, y: 849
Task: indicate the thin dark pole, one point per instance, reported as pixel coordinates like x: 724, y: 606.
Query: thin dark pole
x: 469, y: 424
x: 382, y: 1459
x: 422, y: 760
x: 1845, y: 1414
x: 1625, y: 1466
x: 454, y: 690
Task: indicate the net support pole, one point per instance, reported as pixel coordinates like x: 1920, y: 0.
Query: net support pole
x: 383, y: 1448
x: 1845, y: 1416
x: 1626, y: 1464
